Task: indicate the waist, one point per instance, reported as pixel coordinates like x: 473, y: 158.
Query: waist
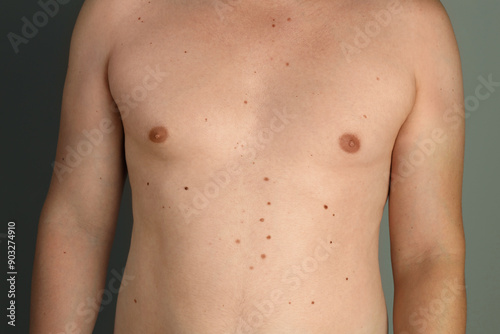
x: 308, y: 285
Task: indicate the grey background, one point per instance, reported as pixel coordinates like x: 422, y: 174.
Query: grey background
x: 31, y: 85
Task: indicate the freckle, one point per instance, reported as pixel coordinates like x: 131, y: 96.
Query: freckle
x: 158, y: 134
x: 325, y: 206
x: 185, y: 52
x: 312, y: 302
x: 268, y: 237
x: 245, y: 102
x: 251, y: 267
x: 268, y: 203
x: 263, y: 256
x: 237, y: 241
x: 100, y: 178
x: 378, y: 78
x: 333, y: 215
x: 349, y: 143
x: 262, y: 219
x: 206, y: 119
x: 186, y: 188
x: 266, y: 179
x: 64, y: 252
x: 289, y: 19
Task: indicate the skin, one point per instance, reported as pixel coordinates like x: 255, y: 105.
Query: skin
x: 235, y: 232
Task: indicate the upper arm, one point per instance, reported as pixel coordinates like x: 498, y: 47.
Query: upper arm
x: 89, y: 169
x: 426, y: 183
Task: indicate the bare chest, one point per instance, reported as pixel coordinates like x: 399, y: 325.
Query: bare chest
x: 194, y: 83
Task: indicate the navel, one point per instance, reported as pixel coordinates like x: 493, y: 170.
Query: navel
x: 349, y: 143
x: 158, y: 134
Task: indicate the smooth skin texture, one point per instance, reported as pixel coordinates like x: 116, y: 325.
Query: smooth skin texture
x: 260, y: 138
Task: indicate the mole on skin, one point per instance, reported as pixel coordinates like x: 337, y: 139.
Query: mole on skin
x: 349, y: 143
x: 158, y: 134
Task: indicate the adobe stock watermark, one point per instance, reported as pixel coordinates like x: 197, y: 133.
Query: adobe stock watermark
x: 74, y: 156
x: 365, y: 35
x: 222, y: 7
x: 30, y: 27
x: 419, y: 320
x: 92, y: 305
x: 222, y: 178
x: 482, y: 92
x: 152, y: 80
x: 454, y: 116
x: 408, y: 165
x: 291, y: 280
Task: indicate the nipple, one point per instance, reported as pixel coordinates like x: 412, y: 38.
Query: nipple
x: 158, y: 134
x: 349, y: 143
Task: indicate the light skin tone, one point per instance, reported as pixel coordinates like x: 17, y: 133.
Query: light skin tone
x: 260, y: 140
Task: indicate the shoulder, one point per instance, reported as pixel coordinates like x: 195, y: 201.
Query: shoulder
x: 424, y: 29
x: 426, y: 21
x: 99, y: 21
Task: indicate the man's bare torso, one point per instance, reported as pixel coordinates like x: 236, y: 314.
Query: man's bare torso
x: 258, y: 150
